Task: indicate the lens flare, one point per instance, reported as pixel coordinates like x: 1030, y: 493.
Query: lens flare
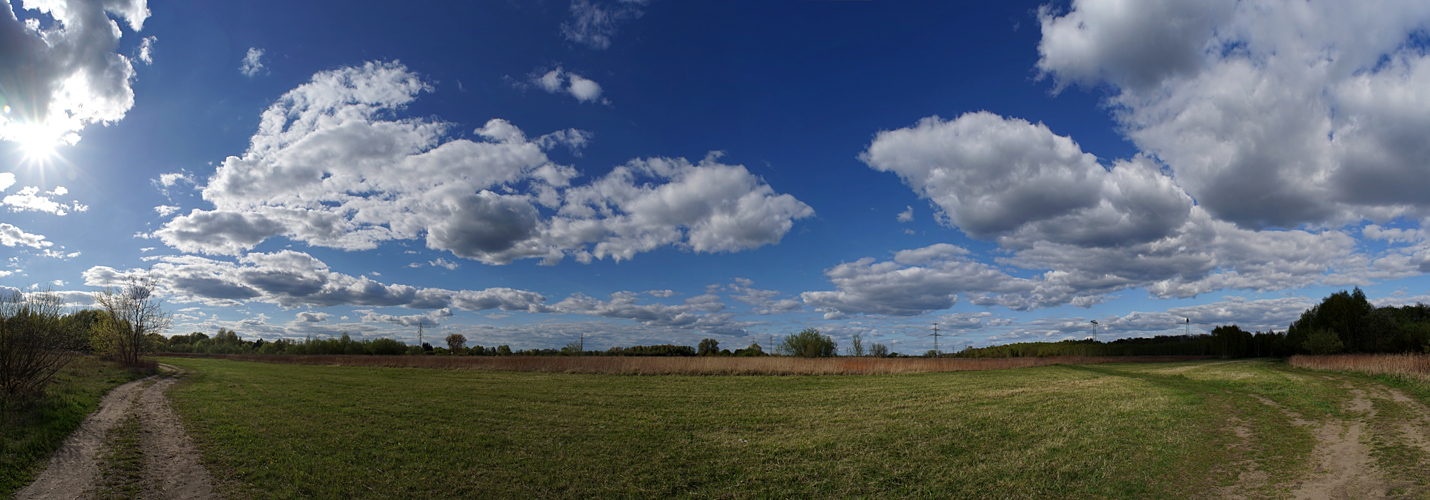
x: 36, y: 141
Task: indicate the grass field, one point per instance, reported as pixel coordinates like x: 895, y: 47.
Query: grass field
x: 29, y: 433
x: 1108, y: 430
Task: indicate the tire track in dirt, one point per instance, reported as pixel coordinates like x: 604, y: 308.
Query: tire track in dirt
x: 170, y: 456
x: 1343, y: 464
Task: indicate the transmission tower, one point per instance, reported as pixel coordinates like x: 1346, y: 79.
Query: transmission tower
x: 935, y: 339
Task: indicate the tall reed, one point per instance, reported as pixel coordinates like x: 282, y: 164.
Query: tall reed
x: 632, y: 365
x: 1409, y: 366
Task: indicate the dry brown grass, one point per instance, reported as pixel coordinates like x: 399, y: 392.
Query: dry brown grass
x: 631, y: 365
x: 1411, y: 366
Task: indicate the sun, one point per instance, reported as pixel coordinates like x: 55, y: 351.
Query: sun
x: 36, y: 141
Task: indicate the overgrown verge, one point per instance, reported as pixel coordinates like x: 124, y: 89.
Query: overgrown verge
x: 32, y: 429
x: 1407, y: 371
x: 1409, y: 366
x: 696, y: 365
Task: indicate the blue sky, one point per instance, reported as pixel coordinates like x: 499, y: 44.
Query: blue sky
x: 652, y: 171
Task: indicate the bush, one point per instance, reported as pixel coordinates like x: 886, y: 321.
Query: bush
x: 1323, y: 342
x: 809, y: 344
x: 879, y: 350
x: 753, y: 351
x: 708, y: 347
x: 35, y: 342
x: 388, y: 347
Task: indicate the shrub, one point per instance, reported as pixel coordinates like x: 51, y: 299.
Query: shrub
x: 34, y: 342
x: 1322, y: 341
x: 879, y: 350
x: 752, y: 351
x: 388, y: 347
x: 708, y: 347
x: 809, y: 344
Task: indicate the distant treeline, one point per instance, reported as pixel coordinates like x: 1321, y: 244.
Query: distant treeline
x: 1344, y: 322
x: 1224, y: 341
x: 228, y: 342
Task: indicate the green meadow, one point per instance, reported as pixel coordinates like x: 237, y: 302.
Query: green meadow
x: 1114, y: 430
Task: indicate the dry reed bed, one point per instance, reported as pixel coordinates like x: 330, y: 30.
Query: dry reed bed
x: 1410, y: 366
x: 631, y: 365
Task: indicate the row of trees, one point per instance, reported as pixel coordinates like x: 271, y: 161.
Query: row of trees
x: 807, y: 343
x: 1347, y: 322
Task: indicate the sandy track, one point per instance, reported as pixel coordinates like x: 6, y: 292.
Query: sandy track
x: 171, y: 459
x: 1343, y: 463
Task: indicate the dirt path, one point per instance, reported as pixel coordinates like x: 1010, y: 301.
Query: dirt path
x: 1344, y: 463
x: 170, y: 458
x: 1343, y: 466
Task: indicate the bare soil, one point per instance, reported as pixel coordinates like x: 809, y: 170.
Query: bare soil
x: 1345, y: 464
x: 171, y: 462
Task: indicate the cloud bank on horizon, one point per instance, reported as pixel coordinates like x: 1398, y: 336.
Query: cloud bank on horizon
x: 1276, y: 149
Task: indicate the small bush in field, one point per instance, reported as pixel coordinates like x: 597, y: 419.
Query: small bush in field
x: 388, y: 347
x: 34, y: 342
x: 708, y: 347
x: 1323, y: 342
x: 879, y: 350
x: 809, y: 344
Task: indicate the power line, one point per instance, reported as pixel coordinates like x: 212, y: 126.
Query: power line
x: 935, y: 339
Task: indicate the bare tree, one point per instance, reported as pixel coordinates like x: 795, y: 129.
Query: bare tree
x: 879, y: 350
x: 856, y: 346
x: 456, y: 342
x: 133, y: 312
x: 35, y: 341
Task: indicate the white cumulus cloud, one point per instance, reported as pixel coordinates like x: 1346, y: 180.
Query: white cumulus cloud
x: 61, y: 79
x: 1269, y: 113
x: 12, y: 236
x: 252, y: 63
x: 326, y: 168
x: 1088, y: 228
x: 561, y: 81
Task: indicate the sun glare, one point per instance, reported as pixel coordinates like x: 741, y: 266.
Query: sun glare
x: 37, y: 142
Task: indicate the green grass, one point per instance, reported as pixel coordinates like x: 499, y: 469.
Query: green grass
x: 122, y: 465
x: 31, y: 431
x: 1120, y: 431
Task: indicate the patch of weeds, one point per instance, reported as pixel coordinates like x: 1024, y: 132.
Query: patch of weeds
x: 1392, y: 452
x: 122, y: 465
